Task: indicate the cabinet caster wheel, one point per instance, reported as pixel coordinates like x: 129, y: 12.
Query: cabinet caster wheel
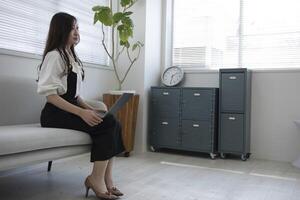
x: 152, y: 149
x: 212, y: 156
x: 127, y: 154
x: 244, y: 157
x: 222, y: 155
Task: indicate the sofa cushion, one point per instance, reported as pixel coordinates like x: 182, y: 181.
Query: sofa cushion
x: 29, y: 137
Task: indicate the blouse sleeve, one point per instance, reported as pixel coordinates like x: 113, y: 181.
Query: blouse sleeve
x: 51, y: 75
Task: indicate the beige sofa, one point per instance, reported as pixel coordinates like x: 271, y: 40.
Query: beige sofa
x: 22, y: 140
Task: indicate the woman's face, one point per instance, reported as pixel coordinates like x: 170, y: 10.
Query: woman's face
x: 74, y: 36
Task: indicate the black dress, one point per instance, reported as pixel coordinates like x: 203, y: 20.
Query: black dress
x: 106, y: 136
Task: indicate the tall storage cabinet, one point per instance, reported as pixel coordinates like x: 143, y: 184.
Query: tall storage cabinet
x: 165, y: 118
x: 234, y: 112
x: 184, y: 119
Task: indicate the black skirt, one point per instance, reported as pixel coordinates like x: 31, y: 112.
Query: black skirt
x: 106, y: 136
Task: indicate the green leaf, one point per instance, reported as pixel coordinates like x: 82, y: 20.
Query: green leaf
x: 104, y: 15
x: 140, y: 44
x: 117, y: 17
x: 134, y: 46
x: 128, y: 13
x: 124, y: 32
x: 96, y: 17
x: 97, y: 8
x: 129, y: 32
x: 125, y: 3
x: 126, y: 44
x: 137, y: 44
x: 127, y: 21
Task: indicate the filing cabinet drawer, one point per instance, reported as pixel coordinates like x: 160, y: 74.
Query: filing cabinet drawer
x: 196, y: 97
x: 196, y: 135
x: 232, y: 92
x: 165, y: 132
x: 166, y: 101
x: 231, y: 137
x: 197, y: 104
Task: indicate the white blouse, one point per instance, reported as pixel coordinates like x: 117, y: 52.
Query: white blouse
x: 52, y: 79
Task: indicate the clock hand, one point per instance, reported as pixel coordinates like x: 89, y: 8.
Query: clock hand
x: 174, y: 75
x: 171, y: 79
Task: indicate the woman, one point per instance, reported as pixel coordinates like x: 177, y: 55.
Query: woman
x: 60, y: 77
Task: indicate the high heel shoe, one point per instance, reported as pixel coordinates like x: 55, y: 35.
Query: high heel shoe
x: 100, y: 195
x: 115, y: 191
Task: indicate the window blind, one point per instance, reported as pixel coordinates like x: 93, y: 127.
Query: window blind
x: 271, y: 34
x: 206, y: 33
x: 24, y: 26
x: 236, y: 33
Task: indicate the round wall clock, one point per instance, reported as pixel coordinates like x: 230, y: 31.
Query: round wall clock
x: 172, y: 76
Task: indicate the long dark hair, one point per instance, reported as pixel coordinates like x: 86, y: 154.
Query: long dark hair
x: 60, y: 27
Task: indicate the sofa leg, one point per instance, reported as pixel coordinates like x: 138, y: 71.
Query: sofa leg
x: 49, y: 165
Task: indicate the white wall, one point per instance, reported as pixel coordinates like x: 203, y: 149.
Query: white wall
x: 97, y: 80
x: 152, y: 56
x: 275, y: 105
x: 146, y: 72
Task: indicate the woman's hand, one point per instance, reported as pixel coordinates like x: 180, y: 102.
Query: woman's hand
x: 99, y: 110
x: 90, y: 117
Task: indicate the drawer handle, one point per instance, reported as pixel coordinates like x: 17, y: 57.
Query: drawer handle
x: 232, y: 77
x: 196, y: 94
x: 195, y: 125
x: 164, y: 123
x: 165, y: 93
x: 231, y: 118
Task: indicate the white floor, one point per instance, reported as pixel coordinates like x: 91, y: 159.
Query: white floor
x: 159, y: 176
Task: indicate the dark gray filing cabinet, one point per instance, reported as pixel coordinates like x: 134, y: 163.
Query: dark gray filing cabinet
x: 184, y: 119
x: 234, y: 113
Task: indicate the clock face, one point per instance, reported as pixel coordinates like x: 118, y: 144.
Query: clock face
x: 172, y: 76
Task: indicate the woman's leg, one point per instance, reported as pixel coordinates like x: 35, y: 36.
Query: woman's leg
x: 108, y: 174
x: 98, y: 174
x: 109, y: 179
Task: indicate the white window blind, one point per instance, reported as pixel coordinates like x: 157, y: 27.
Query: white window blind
x: 206, y: 33
x: 271, y: 34
x: 236, y: 33
x: 24, y: 26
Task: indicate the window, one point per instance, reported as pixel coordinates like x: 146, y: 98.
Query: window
x: 24, y: 26
x: 205, y: 33
x: 236, y: 33
x: 271, y: 34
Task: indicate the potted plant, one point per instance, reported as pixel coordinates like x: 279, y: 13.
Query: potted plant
x: 120, y: 23
x: 121, y: 26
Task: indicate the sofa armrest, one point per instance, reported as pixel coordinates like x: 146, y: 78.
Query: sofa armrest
x: 97, y: 105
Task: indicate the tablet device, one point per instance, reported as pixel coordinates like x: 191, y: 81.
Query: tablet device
x: 117, y: 105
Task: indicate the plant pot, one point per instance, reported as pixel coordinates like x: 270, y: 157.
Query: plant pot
x: 127, y: 117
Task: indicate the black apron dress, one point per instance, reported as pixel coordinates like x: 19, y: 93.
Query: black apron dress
x: 106, y: 136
